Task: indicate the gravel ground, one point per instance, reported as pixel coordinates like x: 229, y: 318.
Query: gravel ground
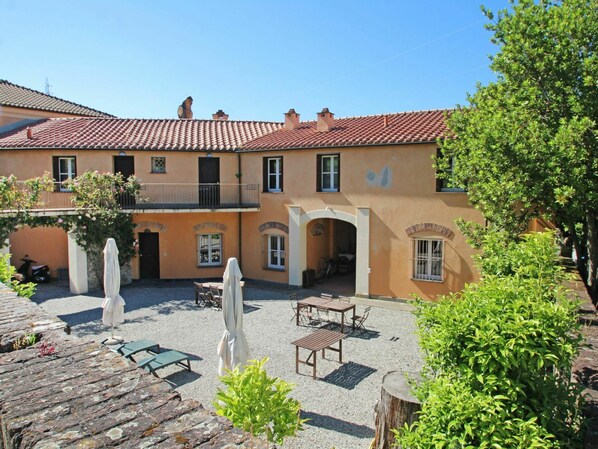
x: 339, y: 403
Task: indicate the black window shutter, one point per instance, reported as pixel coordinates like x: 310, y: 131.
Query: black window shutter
x: 74, y: 167
x: 281, y: 175
x: 55, y: 171
x: 339, y: 172
x: 319, y: 173
x: 265, y: 175
x: 438, y: 180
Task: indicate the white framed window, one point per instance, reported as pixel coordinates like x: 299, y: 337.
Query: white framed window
x: 329, y: 175
x: 66, y: 170
x: 276, y: 252
x: 274, y: 174
x: 158, y: 165
x: 209, y: 250
x: 427, y: 260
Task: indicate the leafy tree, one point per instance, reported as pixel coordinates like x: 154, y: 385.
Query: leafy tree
x: 527, y: 144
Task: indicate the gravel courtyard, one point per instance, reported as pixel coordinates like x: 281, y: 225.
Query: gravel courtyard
x: 339, y: 404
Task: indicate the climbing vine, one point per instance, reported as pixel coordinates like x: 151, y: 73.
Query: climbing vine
x: 96, y: 198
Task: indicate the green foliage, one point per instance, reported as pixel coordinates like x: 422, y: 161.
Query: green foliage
x: 499, y: 355
x: 527, y: 144
x: 17, y: 198
x: 258, y: 403
x: 96, y: 199
x: 7, y: 273
x: 457, y: 416
x: 24, y: 341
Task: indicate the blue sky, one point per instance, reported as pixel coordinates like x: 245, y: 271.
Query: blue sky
x: 253, y: 59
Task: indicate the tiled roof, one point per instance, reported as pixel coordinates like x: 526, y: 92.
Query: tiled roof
x: 404, y: 127
x: 23, y: 97
x: 137, y: 134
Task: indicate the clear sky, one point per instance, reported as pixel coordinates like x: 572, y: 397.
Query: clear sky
x: 254, y: 59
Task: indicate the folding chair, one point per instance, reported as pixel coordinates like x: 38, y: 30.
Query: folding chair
x: 305, y: 316
x: 202, y: 296
x: 216, y: 298
x: 359, y: 320
x: 324, y: 312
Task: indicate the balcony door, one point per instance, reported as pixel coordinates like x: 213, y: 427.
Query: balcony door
x: 209, y: 178
x: 126, y: 166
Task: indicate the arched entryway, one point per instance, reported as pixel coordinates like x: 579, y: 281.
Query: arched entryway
x: 298, y: 257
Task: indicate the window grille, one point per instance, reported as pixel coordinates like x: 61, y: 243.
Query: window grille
x: 427, y: 259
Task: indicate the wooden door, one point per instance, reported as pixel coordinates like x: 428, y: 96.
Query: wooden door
x: 149, y: 255
x: 209, y: 180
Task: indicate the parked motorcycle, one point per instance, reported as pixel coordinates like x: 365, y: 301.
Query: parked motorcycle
x: 33, y: 273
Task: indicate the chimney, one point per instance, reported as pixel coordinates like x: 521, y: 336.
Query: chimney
x: 325, y: 120
x: 291, y: 120
x: 219, y: 115
x: 29, y: 133
x: 385, y: 121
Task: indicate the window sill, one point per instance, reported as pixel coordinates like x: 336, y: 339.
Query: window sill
x: 452, y: 191
x: 272, y: 191
x: 434, y: 281
x: 211, y: 266
x: 157, y: 172
x: 328, y: 191
x: 280, y: 270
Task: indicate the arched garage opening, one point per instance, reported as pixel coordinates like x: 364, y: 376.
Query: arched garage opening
x: 298, y: 242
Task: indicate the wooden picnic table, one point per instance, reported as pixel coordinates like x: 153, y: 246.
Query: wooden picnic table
x: 319, y: 340
x: 332, y: 305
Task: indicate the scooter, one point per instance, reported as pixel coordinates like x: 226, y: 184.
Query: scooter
x: 33, y: 273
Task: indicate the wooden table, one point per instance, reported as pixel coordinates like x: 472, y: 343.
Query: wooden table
x: 332, y: 305
x: 319, y: 340
x: 218, y: 285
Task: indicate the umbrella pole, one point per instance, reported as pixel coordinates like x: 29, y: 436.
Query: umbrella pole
x: 113, y: 340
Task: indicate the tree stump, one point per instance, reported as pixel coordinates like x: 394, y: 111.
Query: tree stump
x: 396, y: 406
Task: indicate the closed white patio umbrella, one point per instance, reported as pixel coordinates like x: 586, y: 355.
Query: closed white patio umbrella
x: 233, y: 348
x: 114, y: 304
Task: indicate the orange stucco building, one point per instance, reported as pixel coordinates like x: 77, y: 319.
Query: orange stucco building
x: 281, y: 197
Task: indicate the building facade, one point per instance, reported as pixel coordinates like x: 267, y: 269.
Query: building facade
x: 284, y: 198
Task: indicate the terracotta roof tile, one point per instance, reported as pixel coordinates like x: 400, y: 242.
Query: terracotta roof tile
x: 404, y: 127
x: 137, y: 134
x: 23, y: 97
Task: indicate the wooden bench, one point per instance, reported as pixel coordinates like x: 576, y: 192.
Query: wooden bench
x: 320, y: 340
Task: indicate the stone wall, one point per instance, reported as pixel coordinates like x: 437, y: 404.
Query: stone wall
x: 95, y: 271
x: 585, y: 368
x: 64, y: 392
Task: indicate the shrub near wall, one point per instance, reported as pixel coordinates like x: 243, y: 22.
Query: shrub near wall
x: 499, y: 356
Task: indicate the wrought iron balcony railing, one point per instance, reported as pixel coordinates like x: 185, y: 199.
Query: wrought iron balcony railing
x: 155, y: 196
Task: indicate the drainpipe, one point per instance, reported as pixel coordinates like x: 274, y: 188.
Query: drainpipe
x: 240, y: 219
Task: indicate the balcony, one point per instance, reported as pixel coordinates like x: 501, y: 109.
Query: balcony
x: 172, y: 197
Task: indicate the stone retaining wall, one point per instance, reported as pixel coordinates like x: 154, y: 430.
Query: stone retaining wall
x: 585, y: 368
x: 64, y: 392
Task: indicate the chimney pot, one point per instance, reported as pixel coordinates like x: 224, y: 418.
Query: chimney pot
x: 291, y: 119
x: 219, y: 115
x: 29, y: 133
x: 325, y: 120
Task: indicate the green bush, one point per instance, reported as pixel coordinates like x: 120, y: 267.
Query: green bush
x: 258, y: 403
x: 499, y: 354
x: 7, y: 271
